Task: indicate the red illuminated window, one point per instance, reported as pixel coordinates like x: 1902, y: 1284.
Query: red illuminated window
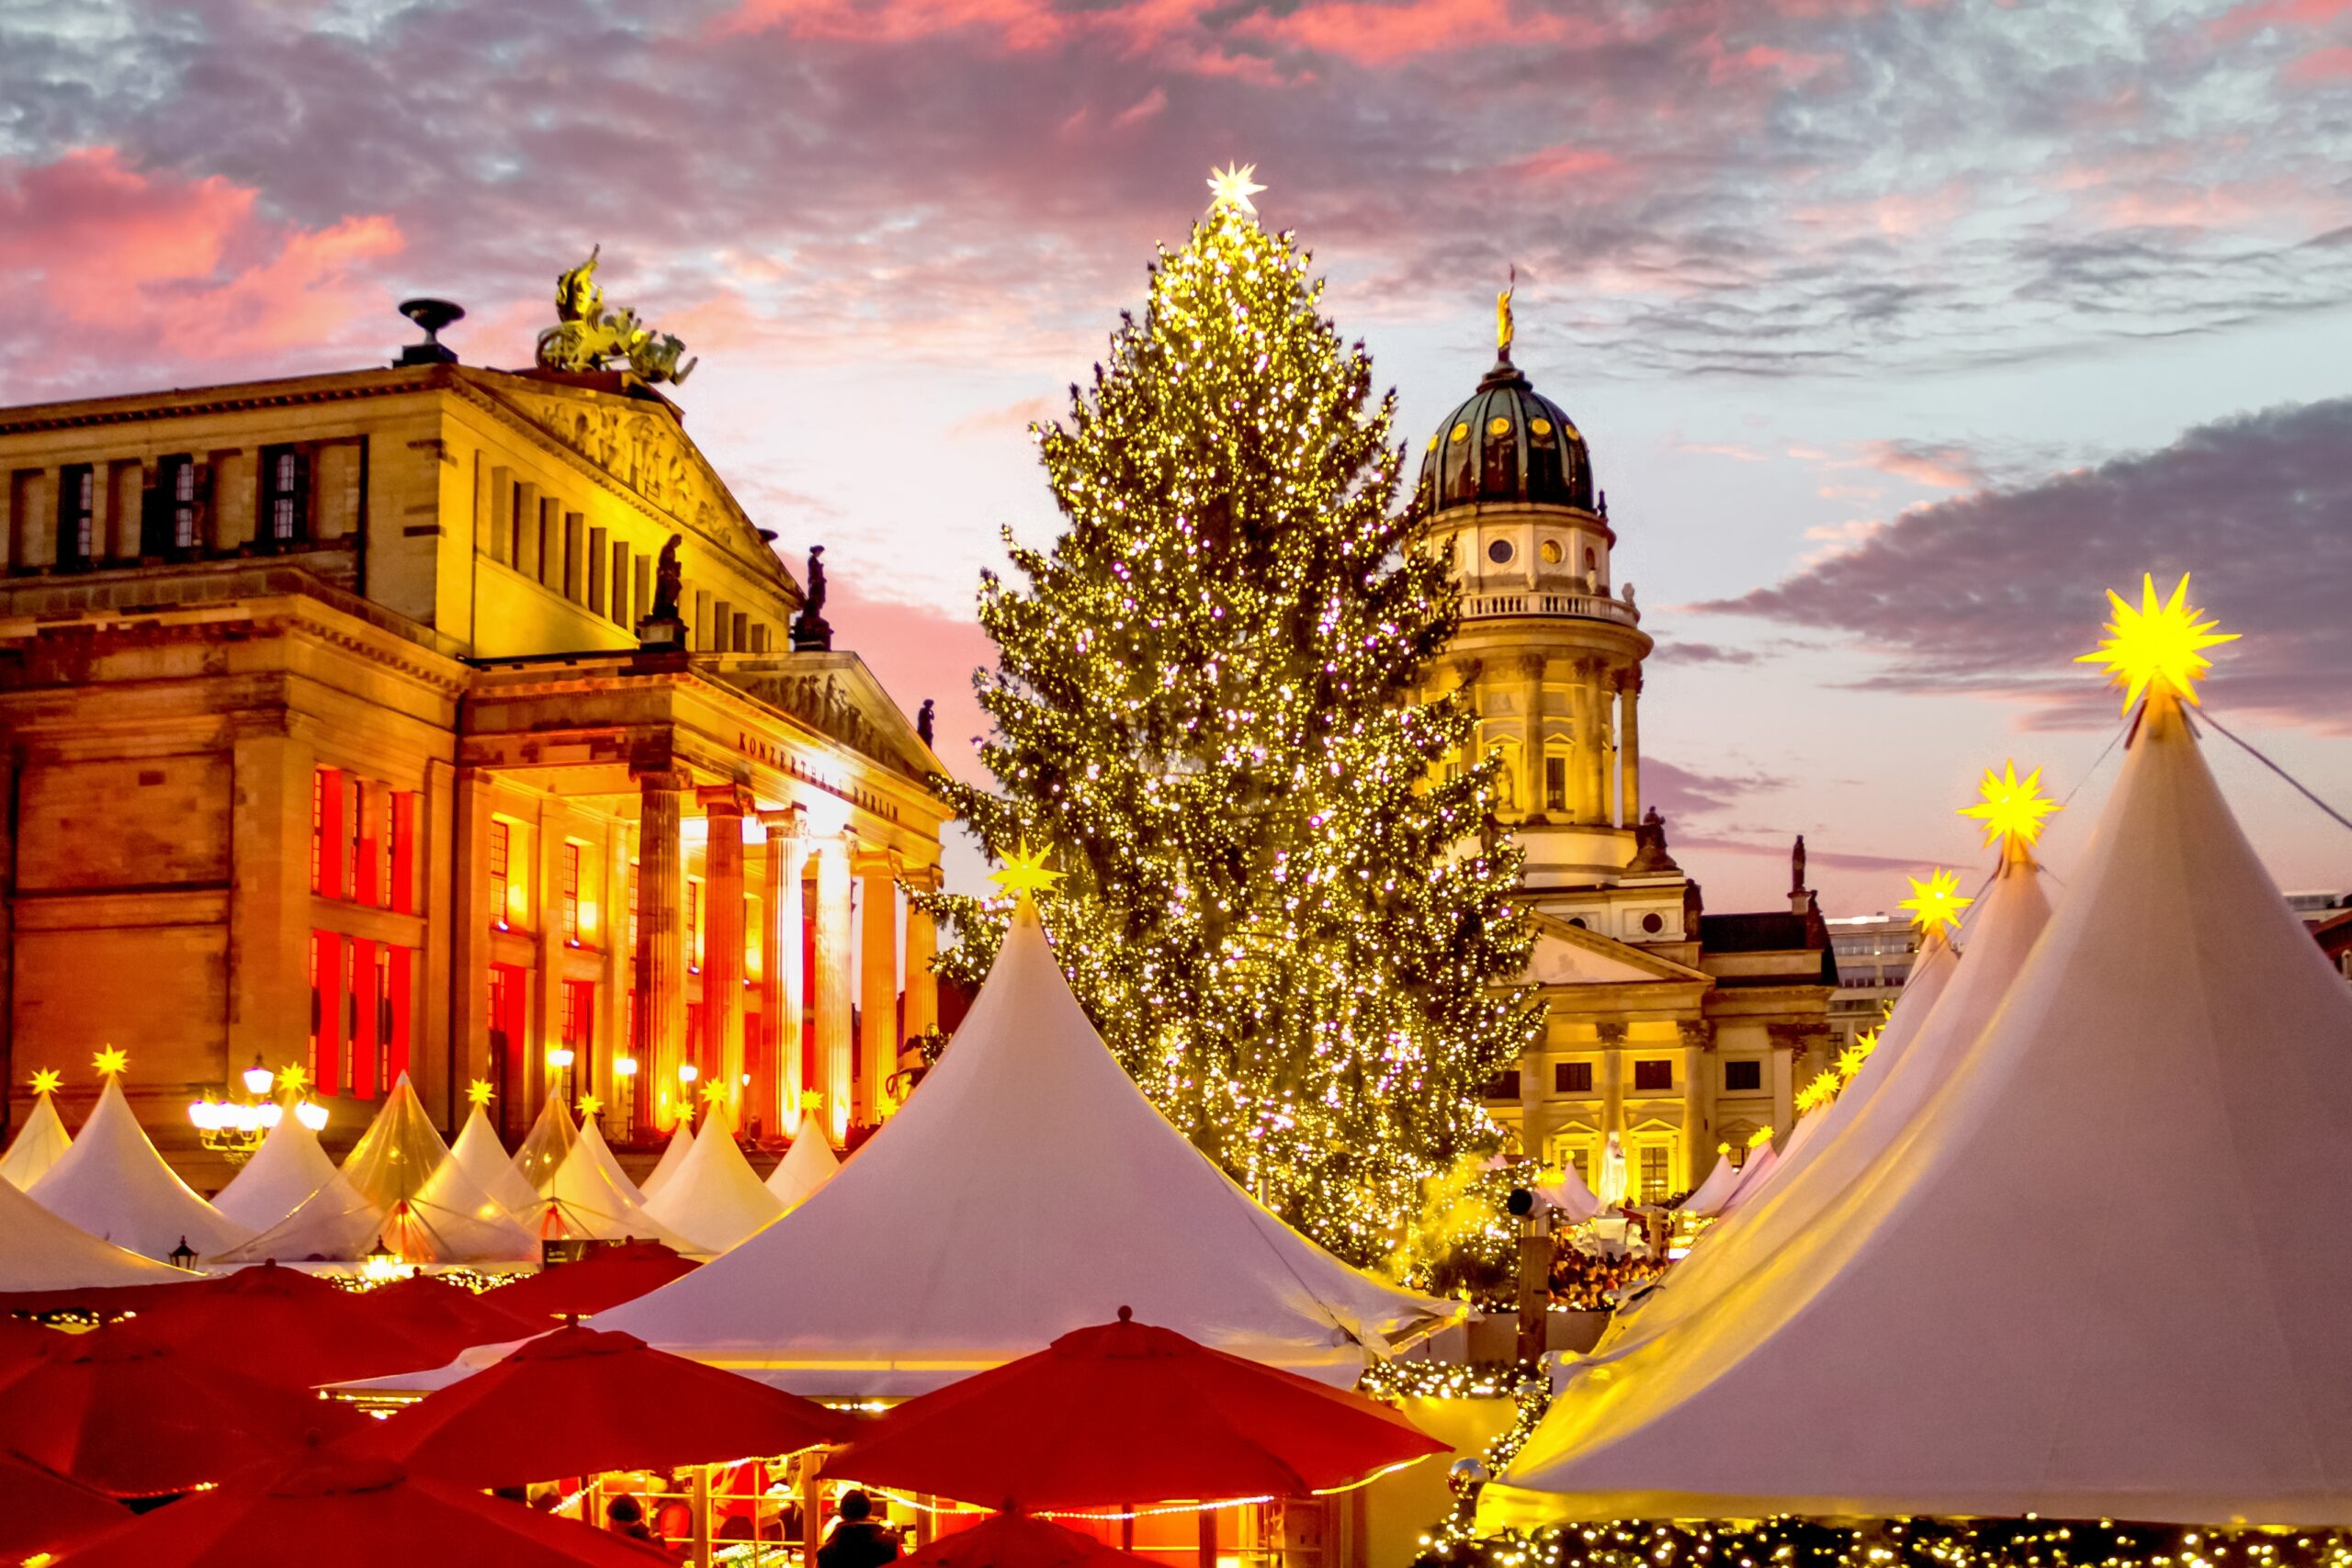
x: 571, y: 894
x: 350, y: 1009
x: 632, y: 906
x: 694, y: 924
x: 319, y: 783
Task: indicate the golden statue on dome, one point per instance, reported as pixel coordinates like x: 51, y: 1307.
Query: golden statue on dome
x: 1504, y: 328
x: 586, y: 336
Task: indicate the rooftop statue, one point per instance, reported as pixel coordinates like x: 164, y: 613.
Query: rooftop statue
x: 586, y: 336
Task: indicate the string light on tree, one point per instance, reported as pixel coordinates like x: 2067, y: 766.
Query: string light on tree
x: 1936, y: 904
x: 1275, y: 899
x: 2011, y: 809
x: 2159, y: 643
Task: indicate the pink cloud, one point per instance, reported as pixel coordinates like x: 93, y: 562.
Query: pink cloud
x: 2247, y: 19
x: 2333, y: 63
x: 1383, y: 34
x: 1565, y: 162
x: 180, y: 265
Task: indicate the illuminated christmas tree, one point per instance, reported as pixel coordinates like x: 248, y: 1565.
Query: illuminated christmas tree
x: 1283, y: 902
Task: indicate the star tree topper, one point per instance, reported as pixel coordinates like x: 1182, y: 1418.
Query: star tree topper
x: 1233, y: 186
x: 2011, y: 807
x: 1936, y: 904
x: 45, y: 1079
x: 1023, y: 874
x: 2158, y: 642
x: 111, y: 1061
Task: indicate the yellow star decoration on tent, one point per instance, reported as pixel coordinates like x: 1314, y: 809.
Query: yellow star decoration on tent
x: 293, y: 1080
x: 2157, y: 642
x: 1818, y: 1093
x: 1758, y: 1138
x: 478, y: 1092
x: 1231, y: 186
x: 1024, y: 873
x: 1935, y: 903
x: 1851, y: 1060
x: 2011, y: 807
x: 45, y: 1079
x: 111, y: 1061
x: 713, y: 1092
x: 590, y: 1105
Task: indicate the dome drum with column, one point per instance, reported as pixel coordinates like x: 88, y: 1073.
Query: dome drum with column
x: 1550, y: 654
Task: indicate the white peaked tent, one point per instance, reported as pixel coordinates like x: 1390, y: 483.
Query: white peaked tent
x: 673, y: 1155
x: 113, y: 1184
x: 2102, y: 1272
x: 715, y: 1199
x: 41, y: 1143
x: 1761, y: 1162
x: 486, y: 1160
x: 40, y: 1252
x: 1858, y: 1126
x: 1706, y: 1200
x: 1571, y: 1196
x: 399, y: 1184
x: 592, y: 1199
x: 287, y: 1168
x: 806, y: 1166
x: 547, y: 1145
x: 1027, y: 1188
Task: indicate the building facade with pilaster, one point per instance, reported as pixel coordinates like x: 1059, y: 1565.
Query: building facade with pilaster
x: 1675, y: 1030
x: 342, y: 730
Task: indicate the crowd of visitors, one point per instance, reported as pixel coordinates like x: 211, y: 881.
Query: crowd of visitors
x: 1584, y: 1281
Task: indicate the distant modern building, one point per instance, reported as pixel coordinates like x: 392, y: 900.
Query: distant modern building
x: 1675, y: 1029
x: 1875, y: 957
x: 440, y: 721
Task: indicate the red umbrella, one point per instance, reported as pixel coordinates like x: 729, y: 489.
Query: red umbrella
x: 357, y: 1513
x: 581, y: 1400
x: 22, y: 1344
x: 41, y: 1511
x: 1015, y: 1540
x: 446, y: 1318
x: 134, y: 1418
x: 288, y: 1328
x: 596, y: 1283
x: 1126, y: 1413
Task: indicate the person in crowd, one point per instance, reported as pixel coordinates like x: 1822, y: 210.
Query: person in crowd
x: 858, y: 1539
x: 626, y: 1515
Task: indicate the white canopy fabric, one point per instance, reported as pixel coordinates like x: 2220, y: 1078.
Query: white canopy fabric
x: 287, y: 1168
x: 400, y: 1185
x: 715, y: 1200
x: 547, y: 1145
x: 1707, y: 1199
x: 113, y: 1184
x: 806, y: 1166
x: 40, y: 1252
x: 486, y: 1160
x: 673, y: 1155
x: 592, y: 1199
x: 1859, y: 1127
x: 1027, y: 1188
x: 1761, y: 1161
x: 2102, y: 1272
x: 1571, y: 1196
x: 39, y: 1144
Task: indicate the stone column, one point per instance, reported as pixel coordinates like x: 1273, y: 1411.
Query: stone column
x: 722, y: 966
x: 469, y: 915
x: 1594, y: 757
x: 922, y: 946
x: 1698, y: 1088
x: 1587, y: 741
x: 269, y: 897
x: 775, y: 1082
x: 1612, y: 1096
x: 1534, y: 1121
x: 1629, y: 746
x: 879, y: 970
x: 1531, y: 672
x: 661, y: 945
x: 834, y: 1062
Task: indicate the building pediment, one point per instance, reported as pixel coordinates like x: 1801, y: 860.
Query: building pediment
x: 1567, y: 954
x: 833, y: 694
x: 638, y: 445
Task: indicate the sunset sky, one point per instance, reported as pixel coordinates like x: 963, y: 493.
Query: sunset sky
x: 1900, y: 331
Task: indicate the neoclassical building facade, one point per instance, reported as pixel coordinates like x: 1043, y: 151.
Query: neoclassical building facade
x: 339, y: 730
x: 1674, y: 1029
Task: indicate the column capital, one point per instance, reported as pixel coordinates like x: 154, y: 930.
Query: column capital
x: 1611, y: 1032
x: 1696, y: 1031
x: 1533, y: 665
x: 874, y: 861
x: 1628, y: 681
x: 924, y: 879
x: 726, y: 800
x: 678, y: 778
x: 790, y: 822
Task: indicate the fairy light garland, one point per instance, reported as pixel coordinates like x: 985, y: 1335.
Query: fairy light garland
x: 1885, y: 1543
x: 1215, y: 706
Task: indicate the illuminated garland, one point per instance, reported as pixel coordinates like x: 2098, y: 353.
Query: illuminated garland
x: 1899, y: 1543
x: 1215, y: 704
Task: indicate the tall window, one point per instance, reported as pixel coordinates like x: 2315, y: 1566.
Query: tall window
x: 1572, y: 1078
x: 499, y: 843
x: 356, y: 863
x: 1654, y: 1078
x: 77, y: 514
x: 693, y: 923
x: 505, y: 1019
x: 318, y: 835
x: 632, y: 906
x: 179, y: 485
x: 386, y: 1018
x: 1555, y: 783
x: 318, y: 1010
x: 285, y: 497
x: 579, y: 1022
x: 387, y: 842
x: 1654, y: 1176
x: 571, y: 870
x: 350, y: 1010
x: 1743, y: 1077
